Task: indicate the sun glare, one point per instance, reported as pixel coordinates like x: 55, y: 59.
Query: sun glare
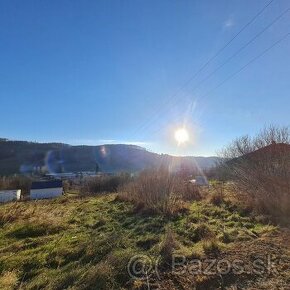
x: 181, y: 135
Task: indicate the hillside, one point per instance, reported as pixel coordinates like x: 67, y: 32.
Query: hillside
x: 24, y: 157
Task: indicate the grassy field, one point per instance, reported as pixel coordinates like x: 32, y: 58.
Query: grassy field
x: 87, y: 242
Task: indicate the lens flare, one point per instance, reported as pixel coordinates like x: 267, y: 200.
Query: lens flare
x: 181, y: 136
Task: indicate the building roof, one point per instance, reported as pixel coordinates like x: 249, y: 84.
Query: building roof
x: 46, y: 184
x: 272, y: 150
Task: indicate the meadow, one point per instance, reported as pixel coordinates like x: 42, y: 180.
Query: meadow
x: 88, y: 241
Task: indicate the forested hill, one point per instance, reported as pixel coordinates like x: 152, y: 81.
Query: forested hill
x: 25, y: 157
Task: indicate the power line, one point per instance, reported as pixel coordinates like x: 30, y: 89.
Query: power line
x: 225, y: 62
x: 231, y: 40
x: 249, y: 63
x: 243, y: 47
x: 213, y: 57
x: 246, y: 65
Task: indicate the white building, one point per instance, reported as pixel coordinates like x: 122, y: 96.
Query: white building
x: 46, y: 189
x: 10, y: 195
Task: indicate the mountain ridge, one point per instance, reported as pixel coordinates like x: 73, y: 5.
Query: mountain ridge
x: 27, y: 157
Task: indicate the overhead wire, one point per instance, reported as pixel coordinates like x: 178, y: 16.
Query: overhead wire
x: 228, y: 59
x: 185, y: 84
x: 246, y: 65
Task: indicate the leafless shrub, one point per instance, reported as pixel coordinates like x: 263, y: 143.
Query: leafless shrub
x: 216, y: 196
x: 102, y: 184
x: 260, y: 168
x: 159, y: 191
x: 246, y: 144
x: 186, y: 190
x: 67, y: 185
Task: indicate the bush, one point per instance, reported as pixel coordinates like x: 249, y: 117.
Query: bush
x: 186, y: 190
x: 217, y: 194
x: 102, y: 184
x: 157, y: 191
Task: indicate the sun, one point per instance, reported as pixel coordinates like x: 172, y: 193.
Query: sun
x: 181, y: 135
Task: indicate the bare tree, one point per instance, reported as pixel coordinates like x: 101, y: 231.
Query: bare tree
x: 260, y: 168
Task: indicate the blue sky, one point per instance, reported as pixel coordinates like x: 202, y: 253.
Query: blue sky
x: 92, y: 72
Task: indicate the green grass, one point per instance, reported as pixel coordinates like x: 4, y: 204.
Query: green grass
x: 86, y: 243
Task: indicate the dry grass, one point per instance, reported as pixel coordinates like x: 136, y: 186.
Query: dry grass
x: 15, y: 182
x: 103, y: 184
x: 211, y: 247
x: 34, y: 212
x: 100, y: 234
x: 8, y: 280
x: 100, y: 275
x: 216, y: 195
x: 168, y: 245
x: 159, y: 191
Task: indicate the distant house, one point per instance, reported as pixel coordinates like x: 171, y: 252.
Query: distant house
x: 46, y: 189
x: 200, y: 181
x: 10, y: 195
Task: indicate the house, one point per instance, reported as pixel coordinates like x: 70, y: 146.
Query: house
x: 200, y: 181
x: 46, y: 189
x: 10, y: 195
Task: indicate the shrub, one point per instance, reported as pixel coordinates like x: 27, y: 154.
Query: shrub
x: 102, y: 184
x: 158, y: 191
x: 217, y: 193
x: 186, y: 190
